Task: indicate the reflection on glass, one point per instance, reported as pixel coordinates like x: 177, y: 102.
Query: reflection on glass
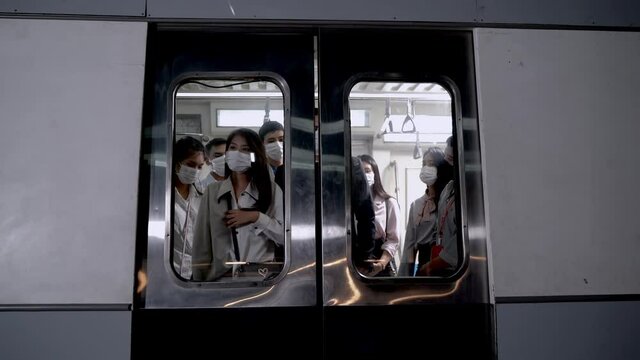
x: 229, y: 222
x: 412, y: 230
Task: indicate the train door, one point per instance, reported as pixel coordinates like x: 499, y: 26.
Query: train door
x: 202, y: 85
x: 310, y: 281
x: 417, y: 89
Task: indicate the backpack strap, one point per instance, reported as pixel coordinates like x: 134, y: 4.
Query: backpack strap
x: 236, y: 249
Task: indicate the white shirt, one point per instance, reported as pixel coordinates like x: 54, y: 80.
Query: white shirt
x: 389, y: 231
x: 182, y: 225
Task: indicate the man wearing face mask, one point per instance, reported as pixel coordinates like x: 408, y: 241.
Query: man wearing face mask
x: 189, y: 160
x: 272, y: 135
x: 422, y: 220
x: 214, y: 170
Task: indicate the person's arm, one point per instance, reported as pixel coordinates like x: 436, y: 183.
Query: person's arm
x: 380, y: 264
x: 435, y: 264
x: 409, y: 252
x: 271, y: 225
x: 392, y: 238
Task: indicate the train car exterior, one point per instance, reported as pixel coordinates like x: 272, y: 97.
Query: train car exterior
x: 541, y: 100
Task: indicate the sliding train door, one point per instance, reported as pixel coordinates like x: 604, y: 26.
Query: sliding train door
x: 206, y: 288
x: 402, y: 104
x: 396, y: 130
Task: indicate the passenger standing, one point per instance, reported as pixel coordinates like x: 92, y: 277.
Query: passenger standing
x: 215, y: 161
x: 363, y: 218
x: 240, y: 218
x: 272, y: 135
x: 444, y: 256
x: 189, y: 159
x: 422, y: 220
x: 387, y: 214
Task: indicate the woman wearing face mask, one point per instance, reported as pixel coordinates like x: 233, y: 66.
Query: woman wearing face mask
x: 387, y: 213
x: 189, y: 160
x: 422, y: 220
x: 445, y: 257
x: 240, y: 218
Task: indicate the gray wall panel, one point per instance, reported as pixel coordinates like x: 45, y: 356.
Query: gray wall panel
x: 559, y: 124
x: 399, y: 10
x: 623, y: 13
x: 65, y: 335
x: 71, y: 100
x: 560, y: 12
x: 564, y: 331
x: 75, y: 7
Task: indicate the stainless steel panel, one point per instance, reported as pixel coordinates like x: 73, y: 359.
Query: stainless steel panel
x: 75, y: 7
x: 296, y: 285
x: 348, y: 55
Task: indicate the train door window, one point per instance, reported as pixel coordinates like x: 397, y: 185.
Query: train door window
x: 228, y: 180
x: 406, y: 169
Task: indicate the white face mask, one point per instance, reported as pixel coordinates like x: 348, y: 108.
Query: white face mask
x: 274, y: 150
x: 204, y: 172
x: 429, y: 174
x: 187, y: 175
x: 370, y: 178
x: 238, y: 161
x: 217, y: 165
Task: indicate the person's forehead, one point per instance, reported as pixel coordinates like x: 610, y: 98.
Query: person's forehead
x: 239, y: 140
x: 276, y: 133
x: 196, y: 157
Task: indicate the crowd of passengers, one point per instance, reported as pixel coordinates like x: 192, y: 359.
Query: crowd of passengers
x: 228, y: 213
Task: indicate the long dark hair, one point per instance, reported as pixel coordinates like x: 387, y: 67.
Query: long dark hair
x: 259, y: 171
x: 376, y: 188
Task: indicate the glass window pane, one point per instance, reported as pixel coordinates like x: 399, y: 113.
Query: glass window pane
x: 228, y: 181
x: 407, y: 167
x: 359, y: 118
x: 247, y: 118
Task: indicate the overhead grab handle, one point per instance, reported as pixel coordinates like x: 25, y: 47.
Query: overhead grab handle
x: 408, y: 120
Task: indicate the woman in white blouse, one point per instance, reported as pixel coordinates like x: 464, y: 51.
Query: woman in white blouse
x: 387, y: 214
x: 240, y: 220
x: 189, y: 159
